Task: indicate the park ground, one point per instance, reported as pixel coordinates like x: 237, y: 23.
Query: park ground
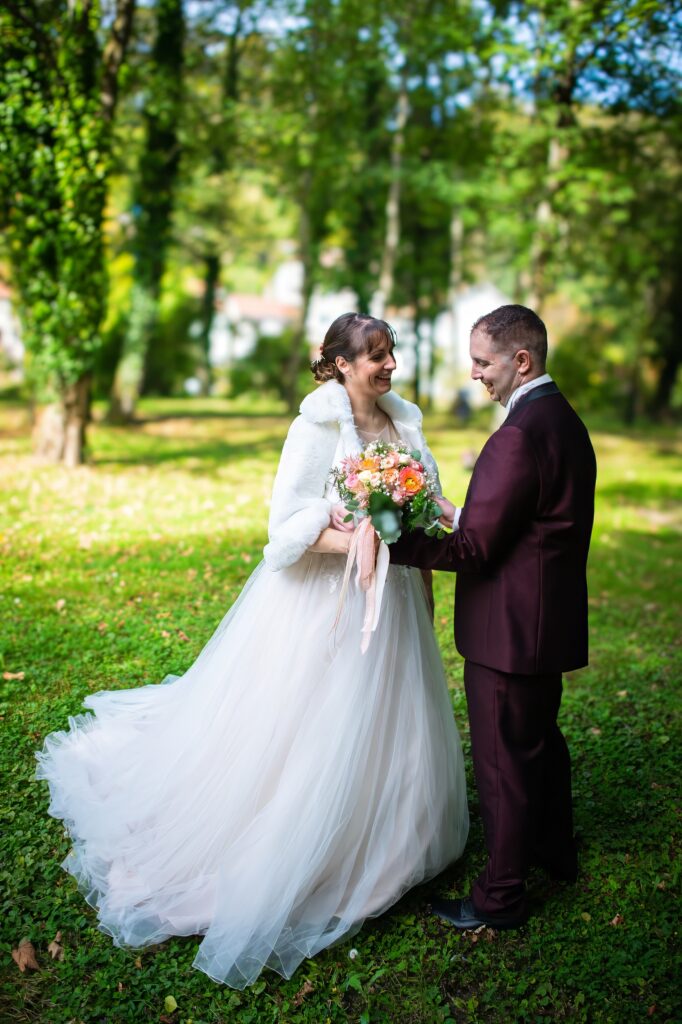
x: 115, y: 575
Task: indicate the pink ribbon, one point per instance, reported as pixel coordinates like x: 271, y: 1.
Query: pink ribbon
x: 370, y: 576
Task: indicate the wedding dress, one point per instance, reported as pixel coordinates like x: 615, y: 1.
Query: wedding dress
x: 281, y: 791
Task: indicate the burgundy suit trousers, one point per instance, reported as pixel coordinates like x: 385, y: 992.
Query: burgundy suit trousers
x: 523, y: 777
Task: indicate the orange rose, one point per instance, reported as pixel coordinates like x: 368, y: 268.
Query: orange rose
x: 411, y: 481
x: 371, y: 464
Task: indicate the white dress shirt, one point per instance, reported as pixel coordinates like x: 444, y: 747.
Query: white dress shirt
x: 523, y: 389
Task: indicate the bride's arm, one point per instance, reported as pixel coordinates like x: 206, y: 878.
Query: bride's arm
x: 299, y: 511
x: 332, y: 542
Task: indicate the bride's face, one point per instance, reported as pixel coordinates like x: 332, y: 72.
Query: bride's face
x: 369, y: 375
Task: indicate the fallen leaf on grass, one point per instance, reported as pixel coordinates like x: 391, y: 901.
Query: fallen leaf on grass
x: 585, y: 916
x: 102, y: 627
x: 55, y: 949
x: 183, y: 636
x: 9, y: 676
x: 165, y: 634
x: 618, y: 919
x: 25, y: 956
x: 170, y: 1004
x: 138, y: 963
x: 302, y: 993
x: 651, y: 1011
x: 60, y: 605
x: 482, y: 932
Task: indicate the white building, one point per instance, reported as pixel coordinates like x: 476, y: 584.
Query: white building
x: 11, y: 345
x: 241, y: 319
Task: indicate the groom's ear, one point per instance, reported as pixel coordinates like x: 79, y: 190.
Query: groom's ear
x: 523, y: 360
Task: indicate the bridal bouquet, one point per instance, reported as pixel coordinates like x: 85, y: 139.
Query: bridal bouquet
x: 388, y: 483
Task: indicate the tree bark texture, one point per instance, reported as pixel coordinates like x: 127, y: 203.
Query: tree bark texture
x: 392, y: 236
x: 114, y: 54
x: 60, y: 430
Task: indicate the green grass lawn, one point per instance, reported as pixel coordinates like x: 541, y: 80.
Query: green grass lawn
x: 115, y: 575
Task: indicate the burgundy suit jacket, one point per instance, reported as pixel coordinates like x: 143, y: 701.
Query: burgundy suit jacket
x: 520, y: 552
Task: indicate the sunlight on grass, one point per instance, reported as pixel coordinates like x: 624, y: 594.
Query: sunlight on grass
x: 116, y: 574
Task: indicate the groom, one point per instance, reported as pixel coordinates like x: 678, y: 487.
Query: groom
x: 519, y: 549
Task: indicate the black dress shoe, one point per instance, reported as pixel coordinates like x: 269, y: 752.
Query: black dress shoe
x: 464, y: 915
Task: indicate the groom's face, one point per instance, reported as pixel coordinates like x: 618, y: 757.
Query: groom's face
x: 497, y: 370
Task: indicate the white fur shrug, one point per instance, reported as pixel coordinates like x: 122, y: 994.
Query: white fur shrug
x: 318, y: 439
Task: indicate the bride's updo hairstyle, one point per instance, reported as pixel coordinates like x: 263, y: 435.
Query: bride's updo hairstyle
x: 351, y: 335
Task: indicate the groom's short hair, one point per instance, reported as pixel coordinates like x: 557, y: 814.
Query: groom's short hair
x: 514, y: 327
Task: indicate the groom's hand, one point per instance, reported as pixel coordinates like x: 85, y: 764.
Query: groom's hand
x: 448, y: 510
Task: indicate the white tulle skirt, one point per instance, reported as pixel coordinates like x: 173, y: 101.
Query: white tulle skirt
x: 282, y: 790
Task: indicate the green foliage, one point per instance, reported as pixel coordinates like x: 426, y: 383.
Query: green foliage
x: 423, y: 513
x: 264, y: 370
x: 117, y: 577
x: 541, y: 151
x: 54, y: 146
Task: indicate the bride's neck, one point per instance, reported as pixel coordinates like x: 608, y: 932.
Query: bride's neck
x: 367, y: 415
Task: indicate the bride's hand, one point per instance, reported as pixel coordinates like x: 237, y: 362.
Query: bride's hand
x: 339, y: 513
x: 448, y: 510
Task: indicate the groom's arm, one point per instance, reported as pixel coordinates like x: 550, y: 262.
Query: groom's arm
x: 501, y: 502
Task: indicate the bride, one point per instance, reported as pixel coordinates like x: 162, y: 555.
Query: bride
x: 287, y: 786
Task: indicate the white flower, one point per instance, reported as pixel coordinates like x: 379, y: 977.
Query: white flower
x: 352, y: 954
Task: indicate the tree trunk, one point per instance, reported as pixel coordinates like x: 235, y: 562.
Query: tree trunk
x: 114, y: 53
x: 544, y: 218
x: 205, y: 374
x: 665, y: 385
x: 666, y: 321
x: 454, y: 289
x: 417, y: 382
x: 154, y: 200
x: 60, y: 427
x: 298, y: 341
x: 392, y: 237
x: 129, y: 375
x: 431, y: 380
x: 564, y: 84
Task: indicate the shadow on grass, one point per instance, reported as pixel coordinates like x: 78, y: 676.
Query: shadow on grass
x: 205, y: 458
x: 208, y: 414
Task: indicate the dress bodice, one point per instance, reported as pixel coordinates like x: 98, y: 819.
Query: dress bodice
x: 387, y: 433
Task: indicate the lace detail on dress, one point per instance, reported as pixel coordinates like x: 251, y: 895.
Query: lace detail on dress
x: 332, y: 570
x: 401, y: 575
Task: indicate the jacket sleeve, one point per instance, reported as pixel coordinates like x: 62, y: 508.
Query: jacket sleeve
x: 299, y: 510
x: 500, y: 504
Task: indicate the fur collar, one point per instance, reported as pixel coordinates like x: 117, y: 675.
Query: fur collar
x: 330, y: 403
